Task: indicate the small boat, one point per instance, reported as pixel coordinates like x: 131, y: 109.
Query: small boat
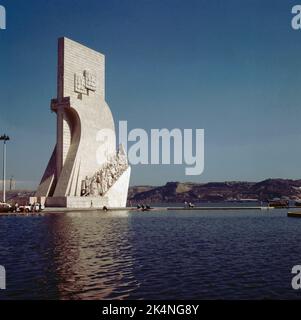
x: 144, y: 207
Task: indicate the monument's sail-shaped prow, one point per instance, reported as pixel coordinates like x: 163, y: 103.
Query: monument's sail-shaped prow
x: 85, y: 169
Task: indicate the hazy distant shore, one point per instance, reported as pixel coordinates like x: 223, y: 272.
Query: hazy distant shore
x: 177, y: 192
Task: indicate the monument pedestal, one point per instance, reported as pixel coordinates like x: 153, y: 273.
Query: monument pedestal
x: 76, y: 202
x: 116, y: 197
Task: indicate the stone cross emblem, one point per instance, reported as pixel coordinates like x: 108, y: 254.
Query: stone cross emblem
x: 85, y: 82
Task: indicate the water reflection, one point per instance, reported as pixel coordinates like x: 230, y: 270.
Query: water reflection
x: 92, y: 255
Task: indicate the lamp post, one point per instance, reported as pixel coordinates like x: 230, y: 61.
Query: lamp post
x: 4, y: 138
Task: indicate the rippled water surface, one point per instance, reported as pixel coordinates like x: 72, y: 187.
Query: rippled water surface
x: 154, y: 255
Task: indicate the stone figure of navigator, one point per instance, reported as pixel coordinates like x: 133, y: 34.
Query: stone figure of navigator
x: 82, y: 168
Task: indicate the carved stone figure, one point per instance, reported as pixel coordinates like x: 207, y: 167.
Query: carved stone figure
x: 108, y: 174
x: 93, y: 188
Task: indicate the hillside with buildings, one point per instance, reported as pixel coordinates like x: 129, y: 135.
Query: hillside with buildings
x: 173, y: 192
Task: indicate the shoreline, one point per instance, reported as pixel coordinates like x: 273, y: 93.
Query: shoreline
x: 58, y: 210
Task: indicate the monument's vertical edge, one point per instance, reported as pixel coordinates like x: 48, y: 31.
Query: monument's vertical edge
x: 60, y: 70
x: 60, y: 115
x: 82, y: 113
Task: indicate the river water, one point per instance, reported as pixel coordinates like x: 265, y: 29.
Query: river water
x: 151, y: 255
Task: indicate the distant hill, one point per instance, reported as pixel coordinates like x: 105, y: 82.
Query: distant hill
x: 200, y: 192
x: 217, y: 191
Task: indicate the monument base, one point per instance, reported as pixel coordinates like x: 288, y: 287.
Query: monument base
x: 77, y: 202
x: 115, y: 197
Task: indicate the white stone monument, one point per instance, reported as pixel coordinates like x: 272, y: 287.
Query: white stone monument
x: 84, y: 170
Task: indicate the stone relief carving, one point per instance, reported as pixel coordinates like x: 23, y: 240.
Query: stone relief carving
x: 85, y: 82
x: 90, y: 79
x: 79, y: 82
x: 103, y: 179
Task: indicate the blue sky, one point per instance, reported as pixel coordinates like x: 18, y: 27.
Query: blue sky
x: 230, y: 67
